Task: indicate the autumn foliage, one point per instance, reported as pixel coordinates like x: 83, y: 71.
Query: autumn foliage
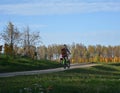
x: 81, y: 53
x: 8, y: 49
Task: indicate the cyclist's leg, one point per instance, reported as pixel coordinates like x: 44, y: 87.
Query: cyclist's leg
x: 64, y: 62
x: 68, y: 62
x: 64, y: 58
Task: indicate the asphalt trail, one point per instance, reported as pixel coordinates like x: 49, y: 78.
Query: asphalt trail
x: 34, y: 72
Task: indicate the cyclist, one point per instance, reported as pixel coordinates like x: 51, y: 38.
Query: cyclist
x: 65, y: 54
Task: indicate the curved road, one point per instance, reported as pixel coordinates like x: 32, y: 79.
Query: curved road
x: 11, y: 74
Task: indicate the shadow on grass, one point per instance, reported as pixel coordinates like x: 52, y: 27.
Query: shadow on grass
x: 89, y: 87
x: 105, y: 68
x: 115, y: 64
x: 96, y: 70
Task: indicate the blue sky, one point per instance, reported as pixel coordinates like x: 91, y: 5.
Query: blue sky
x: 89, y: 22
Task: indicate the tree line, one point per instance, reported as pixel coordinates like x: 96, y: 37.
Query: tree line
x: 25, y: 43
x: 82, y: 53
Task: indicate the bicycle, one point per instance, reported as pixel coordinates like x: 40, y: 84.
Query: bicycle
x: 65, y: 62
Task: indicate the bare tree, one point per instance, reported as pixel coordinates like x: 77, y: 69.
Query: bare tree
x: 30, y: 39
x: 11, y: 34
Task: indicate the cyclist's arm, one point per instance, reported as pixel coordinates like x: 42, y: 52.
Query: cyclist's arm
x: 68, y: 51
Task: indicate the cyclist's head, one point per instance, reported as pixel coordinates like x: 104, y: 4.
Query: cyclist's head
x: 65, y: 45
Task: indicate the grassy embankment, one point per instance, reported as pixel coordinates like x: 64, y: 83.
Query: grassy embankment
x: 103, y: 78
x: 9, y: 64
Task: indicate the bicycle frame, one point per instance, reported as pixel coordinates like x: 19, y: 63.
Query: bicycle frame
x: 65, y: 62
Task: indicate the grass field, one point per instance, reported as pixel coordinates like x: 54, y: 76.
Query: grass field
x: 103, y: 78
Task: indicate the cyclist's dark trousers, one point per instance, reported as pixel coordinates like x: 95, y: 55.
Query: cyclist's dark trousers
x: 65, y: 58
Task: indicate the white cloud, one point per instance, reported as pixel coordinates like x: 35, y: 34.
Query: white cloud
x: 21, y: 26
x: 47, y: 8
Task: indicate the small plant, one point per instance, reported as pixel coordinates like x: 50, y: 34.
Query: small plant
x: 36, y: 88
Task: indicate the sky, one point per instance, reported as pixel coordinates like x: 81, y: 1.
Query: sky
x: 88, y: 22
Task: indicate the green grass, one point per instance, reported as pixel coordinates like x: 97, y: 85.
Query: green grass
x: 8, y: 64
x: 103, y: 78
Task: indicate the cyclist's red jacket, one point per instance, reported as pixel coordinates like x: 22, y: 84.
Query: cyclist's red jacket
x: 64, y: 52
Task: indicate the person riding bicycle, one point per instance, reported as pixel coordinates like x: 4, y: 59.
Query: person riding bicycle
x: 65, y: 53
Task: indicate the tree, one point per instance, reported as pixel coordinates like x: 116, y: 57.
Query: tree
x: 50, y: 52
x: 11, y: 36
x: 42, y: 52
x: 0, y: 48
x: 30, y: 39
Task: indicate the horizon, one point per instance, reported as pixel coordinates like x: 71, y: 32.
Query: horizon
x: 87, y: 22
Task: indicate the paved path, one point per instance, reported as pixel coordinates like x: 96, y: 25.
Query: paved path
x: 11, y: 74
